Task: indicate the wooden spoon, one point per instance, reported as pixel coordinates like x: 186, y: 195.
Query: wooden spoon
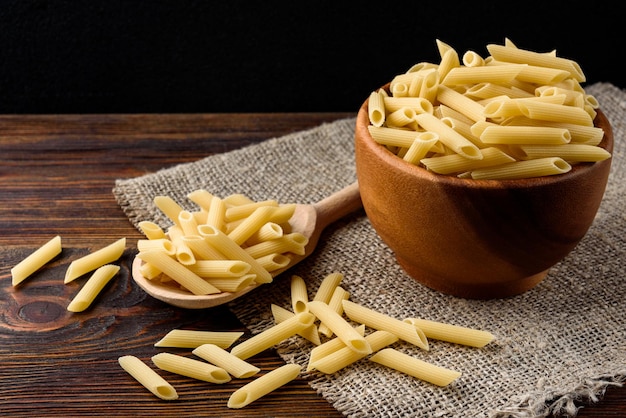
x: 309, y: 220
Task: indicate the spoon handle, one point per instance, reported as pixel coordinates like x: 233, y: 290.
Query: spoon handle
x: 338, y: 205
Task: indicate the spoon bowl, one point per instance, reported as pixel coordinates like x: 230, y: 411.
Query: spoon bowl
x: 308, y: 219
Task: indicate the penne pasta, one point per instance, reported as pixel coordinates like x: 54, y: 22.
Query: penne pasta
x: 187, y: 222
x: 524, y: 169
x: 420, y: 147
x: 220, y: 268
x: 169, y: 207
x: 449, y: 137
x: 184, y: 254
x: 232, y: 250
x: 498, y: 134
x: 327, y: 287
x: 150, y: 379
x: 572, y: 153
x: 273, y: 262
x: 181, y: 338
x: 309, y: 333
x: 412, y: 366
x: 418, y: 104
x: 452, y: 333
x: 234, y: 213
x: 251, y: 224
x: 232, y: 284
x: 96, y: 259
x: 88, y: 292
x: 216, y: 215
x: 335, y: 303
x: 36, y: 260
x: 501, y: 75
x: 329, y: 347
x: 376, y: 108
x: 178, y: 272
x: 162, y: 244
x: 383, y: 322
x: 460, y: 103
x: 151, y: 230
x: 233, y: 365
x: 522, y: 56
x: 535, y: 109
x: 289, y: 243
x: 263, y: 385
x: 454, y: 163
x: 273, y: 335
x: 189, y: 367
x: 345, y: 356
x: 299, y: 294
x: 340, y: 327
x: 201, y: 249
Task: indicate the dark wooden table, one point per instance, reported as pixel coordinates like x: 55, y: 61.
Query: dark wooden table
x: 56, y: 177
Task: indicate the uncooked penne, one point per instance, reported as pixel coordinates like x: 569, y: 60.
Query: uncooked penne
x: 230, y: 363
x: 88, y: 292
x: 568, y: 152
x: 169, y: 207
x: 524, y: 169
x: 340, y: 327
x: 96, y: 259
x: 384, y: 322
x: 263, y: 385
x: 182, y: 338
x: 189, y: 367
x: 150, y: 379
x: 310, y: 333
x: 415, y: 367
x: 299, y: 294
x: 455, y: 163
x: 178, y: 272
x: 151, y: 230
x: 220, y: 268
x: 329, y: 347
x: 376, y: 108
x: 345, y: 356
x: 448, y: 136
x: 452, y: 333
x: 335, y: 303
x: 327, y: 287
x: 36, y: 260
x: 273, y: 335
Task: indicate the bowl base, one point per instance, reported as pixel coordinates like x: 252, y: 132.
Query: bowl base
x: 474, y: 290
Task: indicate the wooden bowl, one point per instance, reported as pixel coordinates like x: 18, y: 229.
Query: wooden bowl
x: 476, y: 239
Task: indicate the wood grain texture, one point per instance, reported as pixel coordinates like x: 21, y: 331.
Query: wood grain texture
x: 57, y: 173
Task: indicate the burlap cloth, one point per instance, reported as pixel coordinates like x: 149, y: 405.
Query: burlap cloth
x: 557, y: 346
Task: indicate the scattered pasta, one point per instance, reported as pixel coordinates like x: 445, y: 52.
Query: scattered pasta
x: 87, y: 294
x: 36, y: 260
x: 510, y: 101
x: 148, y: 377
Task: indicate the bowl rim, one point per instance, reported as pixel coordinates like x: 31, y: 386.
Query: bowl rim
x: 579, y: 169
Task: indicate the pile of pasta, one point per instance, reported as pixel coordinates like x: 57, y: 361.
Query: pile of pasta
x: 512, y: 114
x: 340, y: 331
x: 226, y: 245
x: 97, y: 262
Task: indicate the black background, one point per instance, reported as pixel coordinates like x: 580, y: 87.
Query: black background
x: 244, y: 56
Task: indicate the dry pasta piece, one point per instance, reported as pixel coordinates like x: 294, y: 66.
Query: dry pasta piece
x: 482, y: 74
x: 455, y: 163
x: 448, y: 136
x: 251, y: 224
x: 184, y: 254
x: 273, y: 262
x: 460, y: 103
x: 452, y: 333
x: 392, y: 136
x: 536, y: 109
x: 340, y: 327
x: 383, y: 322
x: 232, y: 284
x: 178, y: 272
x: 216, y: 215
x: 96, y: 259
x: 412, y: 366
x: 169, y: 207
x: 269, y: 231
x: 309, y: 333
x: 346, y: 356
x: 339, y: 295
x: 420, y: 147
x: 201, y: 249
x: 232, y: 250
x: 148, y: 377
x: 263, y: 385
x: 497, y: 134
x: 189, y: 367
x: 522, y: 56
x: 220, y: 268
x: 568, y: 152
x: 299, y: 294
x: 273, y: 335
x: 87, y: 294
x: 162, y: 244
x: 36, y: 260
x: 293, y: 242
x: 327, y: 287
x: 524, y: 169
x: 376, y: 108
x: 329, y: 347
x: 151, y: 230
x: 418, y: 104
x: 181, y: 338
x: 234, y: 213
x: 232, y: 364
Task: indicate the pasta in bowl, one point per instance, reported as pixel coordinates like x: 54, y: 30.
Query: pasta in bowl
x: 467, y: 234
